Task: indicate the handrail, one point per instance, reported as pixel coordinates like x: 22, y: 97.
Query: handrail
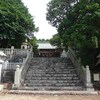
x: 25, y: 66
x: 80, y: 69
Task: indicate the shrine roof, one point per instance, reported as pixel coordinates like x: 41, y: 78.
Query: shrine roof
x: 45, y: 46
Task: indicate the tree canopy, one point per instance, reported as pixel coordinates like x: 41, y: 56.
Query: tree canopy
x: 57, y: 10
x: 56, y: 40
x: 15, y: 23
x: 33, y: 42
x: 80, y: 28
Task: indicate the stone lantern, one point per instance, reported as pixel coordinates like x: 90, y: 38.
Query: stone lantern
x: 64, y: 53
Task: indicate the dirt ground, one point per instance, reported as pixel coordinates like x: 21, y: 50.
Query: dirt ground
x: 48, y: 97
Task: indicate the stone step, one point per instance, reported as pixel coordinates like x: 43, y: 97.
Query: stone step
x: 51, y: 84
x: 51, y: 72
x: 49, y: 75
x: 51, y: 91
x: 58, y: 82
x: 51, y: 69
x: 52, y: 78
x: 74, y: 88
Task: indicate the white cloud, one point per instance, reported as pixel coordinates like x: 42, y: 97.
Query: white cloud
x: 37, y: 8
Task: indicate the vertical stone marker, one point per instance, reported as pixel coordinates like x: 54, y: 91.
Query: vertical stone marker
x: 2, y: 58
x: 17, y: 77
x: 1, y: 65
x: 89, y: 84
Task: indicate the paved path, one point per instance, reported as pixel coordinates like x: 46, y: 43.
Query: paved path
x: 48, y: 97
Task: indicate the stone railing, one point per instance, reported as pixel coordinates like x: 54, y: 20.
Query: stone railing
x: 12, y: 51
x: 21, y: 70
x: 25, y: 65
x: 80, y: 69
x: 83, y: 73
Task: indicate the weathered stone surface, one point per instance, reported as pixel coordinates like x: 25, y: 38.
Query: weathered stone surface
x: 52, y: 72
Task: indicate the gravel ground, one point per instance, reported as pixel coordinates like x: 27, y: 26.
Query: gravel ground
x: 48, y: 97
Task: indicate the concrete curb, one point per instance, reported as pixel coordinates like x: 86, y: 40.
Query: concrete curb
x: 54, y: 92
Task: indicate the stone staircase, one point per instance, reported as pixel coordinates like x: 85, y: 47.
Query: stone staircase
x: 52, y: 74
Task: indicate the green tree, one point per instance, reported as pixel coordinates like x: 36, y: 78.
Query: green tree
x: 80, y: 28
x: 57, y: 10
x: 33, y: 43
x: 15, y: 23
x: 56, y: 40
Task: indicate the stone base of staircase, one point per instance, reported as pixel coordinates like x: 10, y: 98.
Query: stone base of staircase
x: 53, y: 92
x: 74, y: 88
x: 50, y: 76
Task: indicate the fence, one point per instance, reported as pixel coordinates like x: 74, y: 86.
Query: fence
x: 10, y: 52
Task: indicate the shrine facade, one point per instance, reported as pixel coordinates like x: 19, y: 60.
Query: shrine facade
x: 47, y: 50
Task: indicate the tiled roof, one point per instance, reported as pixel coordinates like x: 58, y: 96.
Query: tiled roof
x: 45, y: 46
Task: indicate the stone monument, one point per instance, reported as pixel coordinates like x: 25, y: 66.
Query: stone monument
x: 2, y: 58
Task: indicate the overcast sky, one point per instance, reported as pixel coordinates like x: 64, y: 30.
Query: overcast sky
x: 37, y: 8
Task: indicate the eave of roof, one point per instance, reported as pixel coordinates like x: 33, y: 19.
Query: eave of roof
x: 45, y: 46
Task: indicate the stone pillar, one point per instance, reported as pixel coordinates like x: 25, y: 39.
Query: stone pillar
x: 12, y: 50
x: 1, y: 65
x: 89, y: 85
x: 17, y: 77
